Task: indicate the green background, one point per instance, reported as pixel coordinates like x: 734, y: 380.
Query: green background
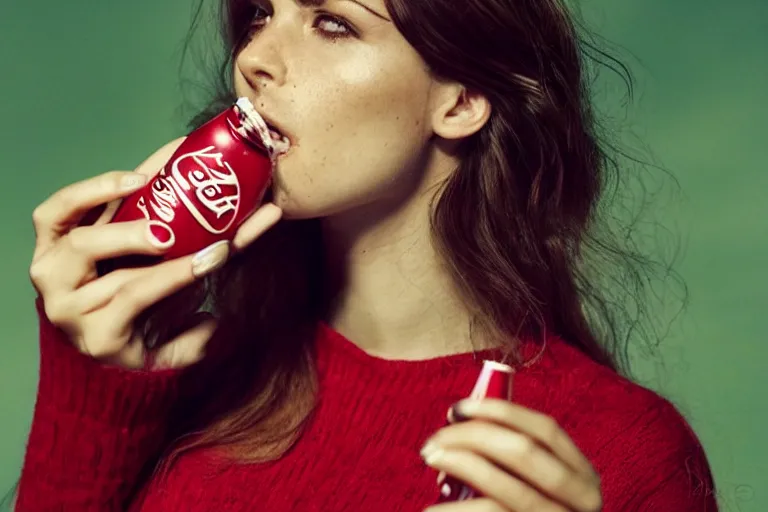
x: 89, y: 86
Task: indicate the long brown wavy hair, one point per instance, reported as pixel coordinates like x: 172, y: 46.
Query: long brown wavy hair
x: 525, y: 223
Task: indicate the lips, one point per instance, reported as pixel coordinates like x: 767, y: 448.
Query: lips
x: 278, y: 142
x: 282, y: 141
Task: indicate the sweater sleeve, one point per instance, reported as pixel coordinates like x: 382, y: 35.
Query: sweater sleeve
x: 683, y: 480
x: 663, y: 467
x: 94, y: 429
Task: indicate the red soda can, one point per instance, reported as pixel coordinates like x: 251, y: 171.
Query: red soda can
x: 215, y: 179
x: 495, y: 381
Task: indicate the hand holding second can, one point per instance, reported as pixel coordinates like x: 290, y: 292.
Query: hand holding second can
x: 98, y: 313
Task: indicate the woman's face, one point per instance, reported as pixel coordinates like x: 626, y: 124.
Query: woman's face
x: 352, y: 95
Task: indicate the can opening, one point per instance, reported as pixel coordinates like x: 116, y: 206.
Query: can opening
x: 253, y: 127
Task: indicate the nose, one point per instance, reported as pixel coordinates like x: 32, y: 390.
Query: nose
x: 261, y: 60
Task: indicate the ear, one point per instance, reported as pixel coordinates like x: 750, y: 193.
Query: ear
x: 459, y: 112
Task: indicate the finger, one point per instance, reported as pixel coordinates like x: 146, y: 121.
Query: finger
x: 63, y: 307
x: 131, y: 356
x: 480, y: 474
x: 260, y: 221
x: 97, y: 293
x: 186, y: 349
x: 162, y: 280
x: 540, y: 427
x: 96, y: 243
x: 109, y: 211
x: 79, y: 251
x: 473, y: 505
x: 107, y: 329
x: 64, y: 209
x: 103, y: 336
x: 519, y: 454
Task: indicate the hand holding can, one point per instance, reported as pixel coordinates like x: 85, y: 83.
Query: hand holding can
x: 495, y: 381
x: 213, y: 181
x: 97, y: 313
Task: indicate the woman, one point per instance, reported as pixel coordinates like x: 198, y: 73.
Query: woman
x: 436, y: 208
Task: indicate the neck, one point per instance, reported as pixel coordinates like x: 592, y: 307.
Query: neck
x: 395, y: 298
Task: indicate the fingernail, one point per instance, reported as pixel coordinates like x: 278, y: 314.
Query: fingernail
x: 431, y: 452
x: 441, y: 478
x: 133, y: 182
x: 462, y: 410
x: 211, y: 258
x: 160, y: 235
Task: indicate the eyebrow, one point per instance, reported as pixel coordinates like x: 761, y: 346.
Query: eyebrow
x: 369, y: 9
x: 318, y: 3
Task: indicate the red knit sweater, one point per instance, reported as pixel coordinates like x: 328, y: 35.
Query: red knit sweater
x: 95, y: 427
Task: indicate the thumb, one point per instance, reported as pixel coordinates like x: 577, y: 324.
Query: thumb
x: 189, y: 347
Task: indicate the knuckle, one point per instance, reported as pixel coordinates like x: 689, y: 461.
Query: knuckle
x: 63, y: 200
x: 528, y: 500
x: 92, y: 345
x: 77, y: 239
x: 491, y: 506
x: 38, y: 272
x: 100, y: 349
x: 101, y: 339
x: 524, y: 447
x: 39, y: 216
x: 57, y: 311
x: 129, y: 295
x: 549, y: 429
x: 126, y: 293
x: 560, y: 482
x: 484, y: 472
x: 42, y: 271
x: 594, y: 501
x: 111, y: 180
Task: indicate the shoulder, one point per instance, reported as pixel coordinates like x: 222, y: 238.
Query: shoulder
x: 641, y: 445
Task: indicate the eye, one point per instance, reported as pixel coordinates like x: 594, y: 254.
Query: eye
x: 260, y: 16
x: 330, y: 27
x: 333, y: 27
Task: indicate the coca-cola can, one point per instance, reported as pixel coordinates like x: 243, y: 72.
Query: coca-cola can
x: 215, y: 179
x: 495, y: 381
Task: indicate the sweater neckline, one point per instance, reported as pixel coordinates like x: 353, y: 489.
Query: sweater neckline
x: 333, y: 344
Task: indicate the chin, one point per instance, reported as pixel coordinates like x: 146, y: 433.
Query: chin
x: 292, y: 210
x: 310, y: 206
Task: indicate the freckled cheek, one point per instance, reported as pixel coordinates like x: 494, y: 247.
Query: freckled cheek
x: 360, y: 100
x: 350, y: 112
x: 374, y: 86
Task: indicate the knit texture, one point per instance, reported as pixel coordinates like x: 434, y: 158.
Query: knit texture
x: 97, y: 428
